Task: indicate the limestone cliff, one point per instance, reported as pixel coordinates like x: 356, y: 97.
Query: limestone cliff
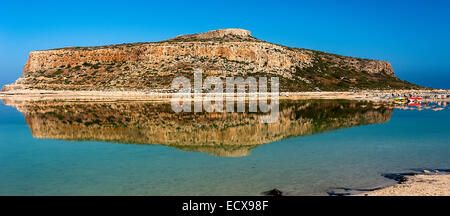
x: 226, y: 52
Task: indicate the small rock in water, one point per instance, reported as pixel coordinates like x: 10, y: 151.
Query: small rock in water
x: 426, y: 171
x: 273, y: 192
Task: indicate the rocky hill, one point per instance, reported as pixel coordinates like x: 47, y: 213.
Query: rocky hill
x: 226, y: 52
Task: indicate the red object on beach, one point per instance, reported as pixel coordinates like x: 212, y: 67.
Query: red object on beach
x: 415, y: 98
x: 414, y: 104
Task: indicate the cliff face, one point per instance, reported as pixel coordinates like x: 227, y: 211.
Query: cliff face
x: 228, y: 52
x: 222, y: 134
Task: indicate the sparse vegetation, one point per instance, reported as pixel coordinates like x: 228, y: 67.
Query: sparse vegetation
x: 86, y: 64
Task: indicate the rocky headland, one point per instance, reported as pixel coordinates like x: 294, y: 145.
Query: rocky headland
x: 224, y: 53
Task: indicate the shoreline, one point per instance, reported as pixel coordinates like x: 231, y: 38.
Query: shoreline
x: 367, y: 95
x: 433, y: 182
x: 415, y: 185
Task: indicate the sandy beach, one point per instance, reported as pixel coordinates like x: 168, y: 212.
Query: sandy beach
x: 373, y: 95
x: 417, y: 185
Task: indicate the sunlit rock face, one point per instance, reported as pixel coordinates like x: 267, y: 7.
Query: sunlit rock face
x: 225, y: 52
x: 221, y: 134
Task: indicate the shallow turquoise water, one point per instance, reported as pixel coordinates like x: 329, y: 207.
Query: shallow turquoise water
x: 309, y: 165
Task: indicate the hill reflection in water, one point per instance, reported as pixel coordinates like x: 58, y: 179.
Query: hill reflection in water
x: 220, y: 134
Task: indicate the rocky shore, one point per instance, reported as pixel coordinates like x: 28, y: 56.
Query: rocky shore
x: 374, y: 95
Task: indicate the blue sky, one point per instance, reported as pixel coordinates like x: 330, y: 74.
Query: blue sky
x: 413, y: 35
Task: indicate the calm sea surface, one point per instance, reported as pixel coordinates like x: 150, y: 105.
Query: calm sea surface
x: 143, y: 148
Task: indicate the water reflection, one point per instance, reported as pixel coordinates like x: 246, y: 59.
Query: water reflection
x: 221, y: 134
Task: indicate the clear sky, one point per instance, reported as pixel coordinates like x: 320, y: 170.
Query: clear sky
x: 413, y: 35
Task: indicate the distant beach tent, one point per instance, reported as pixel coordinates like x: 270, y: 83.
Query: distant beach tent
x: 414, y: 101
